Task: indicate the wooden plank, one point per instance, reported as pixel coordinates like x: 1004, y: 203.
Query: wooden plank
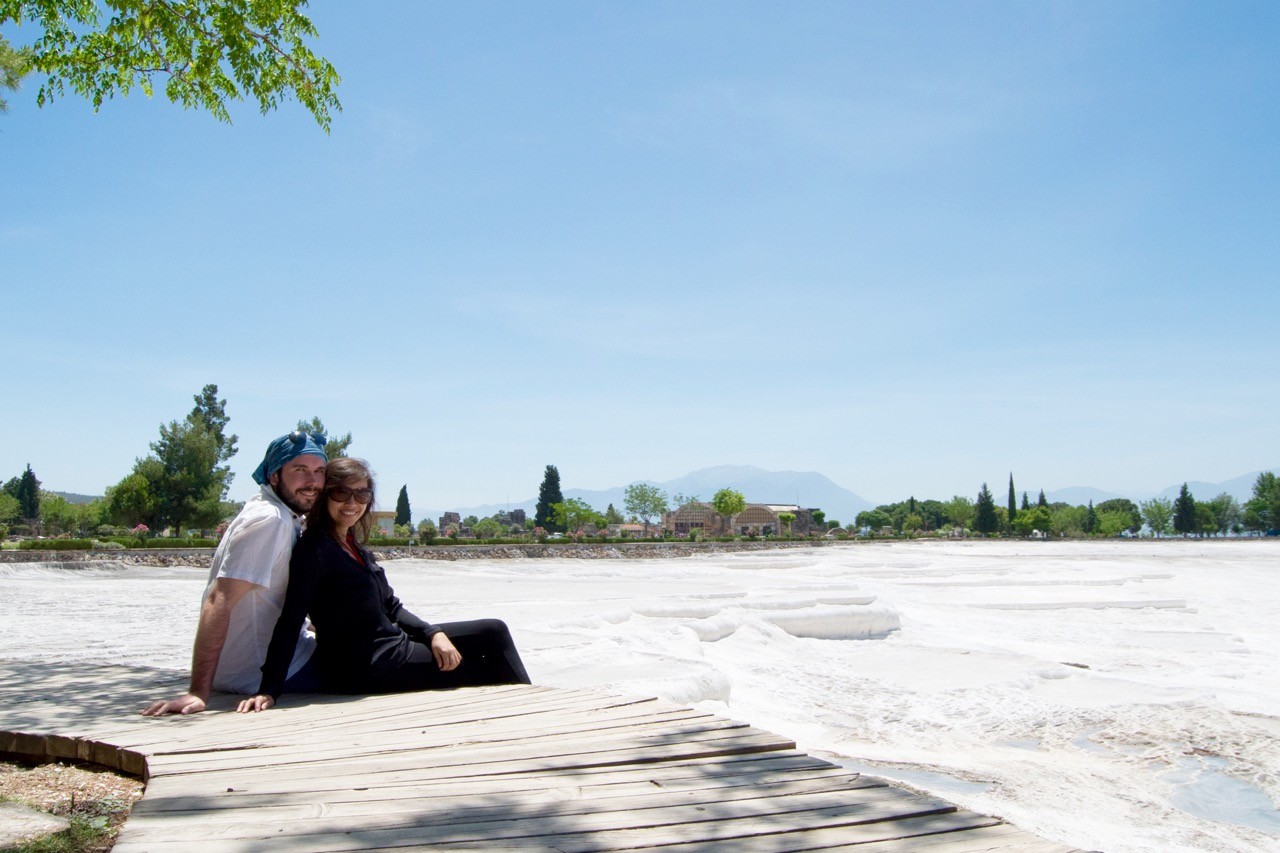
x: 515, y: 758
x: 422, y: 737
x: 479, y: 745
x: 913, y: 833
x: 546, y: 802
x: 495, y: 824
x: 184, y: 792
x: 992, y: 837
x: 247, y: 730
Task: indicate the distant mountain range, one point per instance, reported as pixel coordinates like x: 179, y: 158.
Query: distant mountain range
x: 806, y: 488
x: 1240, y: 488
x: 811, y: 489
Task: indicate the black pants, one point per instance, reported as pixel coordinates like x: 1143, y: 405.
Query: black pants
x: 489, y: 656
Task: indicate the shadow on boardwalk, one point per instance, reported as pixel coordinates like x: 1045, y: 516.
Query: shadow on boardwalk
x: 484, y: 768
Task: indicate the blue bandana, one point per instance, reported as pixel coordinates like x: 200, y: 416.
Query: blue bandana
x: 288, y: 447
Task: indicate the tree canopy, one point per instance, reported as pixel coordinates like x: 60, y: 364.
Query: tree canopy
x: 14, y: 65
x: 1158, y: 513
x: 336, y: 446
x: 203, y: 53
x: 1184, y: 511
x: 574, y: 514
x: 182, y: 482
x: 28, y: 495
x: 404, y: 515
x: 985, y: 519
x: 728, y: 503
x: 1262, y: 510
x: 549, y: 495
x: 644, y: 501
x: 212, y: 412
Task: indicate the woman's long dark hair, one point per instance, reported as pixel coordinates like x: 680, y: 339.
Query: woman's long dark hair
x: 343, y: 471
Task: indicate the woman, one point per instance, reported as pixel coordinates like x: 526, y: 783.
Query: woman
x: 367, y: 642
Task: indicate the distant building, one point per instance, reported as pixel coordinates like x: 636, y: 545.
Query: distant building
x: 384, y: 523
x: 513, y: 520
x: 754, y: 520
x: 690, y: 517
x: 450, y: 518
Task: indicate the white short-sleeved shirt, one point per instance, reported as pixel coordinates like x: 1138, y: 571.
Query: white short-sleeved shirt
x: 256, y: 548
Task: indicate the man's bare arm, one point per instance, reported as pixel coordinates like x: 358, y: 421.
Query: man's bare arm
x: 211, y: 635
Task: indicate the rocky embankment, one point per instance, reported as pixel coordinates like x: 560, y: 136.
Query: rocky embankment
x: 594, y: 551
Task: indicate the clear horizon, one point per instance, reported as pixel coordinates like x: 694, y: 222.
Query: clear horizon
x: 912, y: 247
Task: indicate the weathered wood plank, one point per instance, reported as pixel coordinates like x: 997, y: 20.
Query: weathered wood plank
x: 496, y: 823
x: 755, y: 768
x: 546, y: 802
x: 913, y: 833
x: 458, y: 749
x: 991, y: 837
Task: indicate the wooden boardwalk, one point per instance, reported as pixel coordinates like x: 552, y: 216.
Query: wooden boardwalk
x: 481, y: 769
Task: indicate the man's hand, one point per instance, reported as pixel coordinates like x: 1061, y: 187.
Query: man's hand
x: 447, y: 657
x: 261, y: 702
x: 187, y: 703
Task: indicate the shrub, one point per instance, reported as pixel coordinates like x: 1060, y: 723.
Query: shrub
x: 56, y: 544
x: 99, y: 545
x: 193, y: 542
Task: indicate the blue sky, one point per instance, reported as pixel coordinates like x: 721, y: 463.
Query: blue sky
x: 913, y: 246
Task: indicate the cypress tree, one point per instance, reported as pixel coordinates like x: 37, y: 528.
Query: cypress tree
x: 1184, y: 511
x: 403, y: 514
x: 29, y: 494
x: 1013, y: 500
x: 1025, y: 503
x: 548, y: 495
x: 984, y: 517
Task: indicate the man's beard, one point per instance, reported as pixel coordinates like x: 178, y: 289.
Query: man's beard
x: 299, y: 504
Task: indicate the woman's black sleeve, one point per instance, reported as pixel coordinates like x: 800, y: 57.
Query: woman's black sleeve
x: 417, y: 628
x: 304, y: 570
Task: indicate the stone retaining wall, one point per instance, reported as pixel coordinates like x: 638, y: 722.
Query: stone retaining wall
x: 201, y: 557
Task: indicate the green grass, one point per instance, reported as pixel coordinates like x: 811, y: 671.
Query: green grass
x: 94, y: 829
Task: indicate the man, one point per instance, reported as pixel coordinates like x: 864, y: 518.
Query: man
x: 248, y: 579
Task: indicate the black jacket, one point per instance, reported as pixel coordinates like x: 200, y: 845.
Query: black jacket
x: 363, y: 632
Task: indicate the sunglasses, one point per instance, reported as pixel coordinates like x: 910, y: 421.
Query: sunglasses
x: 342, y: 494
x: 300, y: 437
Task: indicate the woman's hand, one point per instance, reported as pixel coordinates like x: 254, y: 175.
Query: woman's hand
x: 447, y: 657
x: 261, y: 702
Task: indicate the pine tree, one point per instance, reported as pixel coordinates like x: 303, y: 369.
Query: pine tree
x: 1025, y: 503
x: 336, y: 446
x: 1090, y: 519
x: 29, y: 495
x: 1042, y: 501
x: 403, y: 514
x: 548, y: 495
x: 1013, y: 500
x: 984, y: 517
x: 212, y: 412
x: 1184, y: 511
